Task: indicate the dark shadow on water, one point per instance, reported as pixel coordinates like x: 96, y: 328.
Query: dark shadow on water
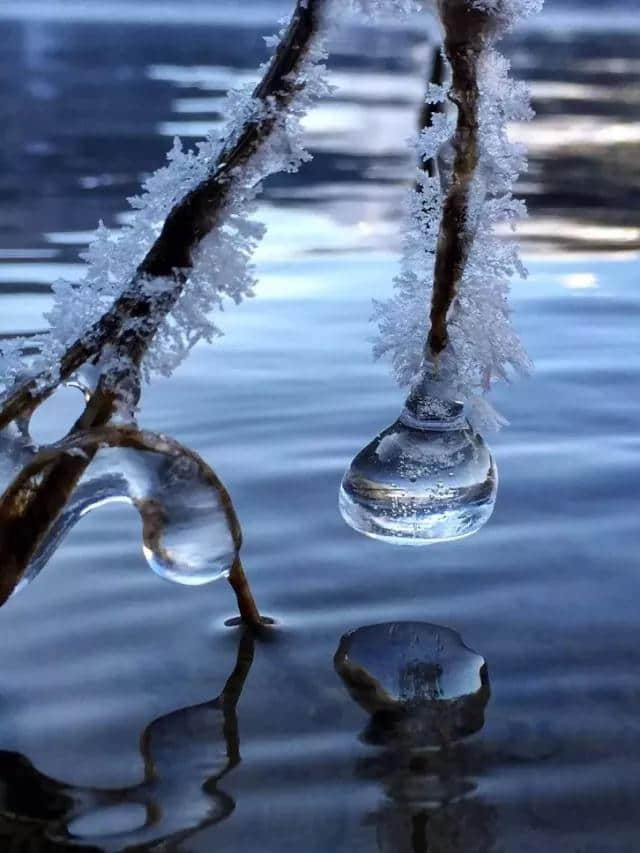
x: 186, y: 754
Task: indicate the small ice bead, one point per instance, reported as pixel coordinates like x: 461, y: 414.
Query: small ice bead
x: 427, y: 478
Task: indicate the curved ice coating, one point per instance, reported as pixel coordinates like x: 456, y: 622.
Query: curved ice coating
x: 190, y: 533
x: 16, y: 450
x: 429, y: 477
x: 85, y: 380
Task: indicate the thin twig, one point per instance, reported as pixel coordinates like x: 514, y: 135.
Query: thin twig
x: 25, y: 524
x: 466, y: 31
x: 195, y: 215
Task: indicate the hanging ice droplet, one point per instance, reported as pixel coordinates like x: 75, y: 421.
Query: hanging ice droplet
x: 429, y: 477
x: 190, y: 533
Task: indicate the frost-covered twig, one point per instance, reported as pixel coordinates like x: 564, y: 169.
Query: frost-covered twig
x: 466, y: 32
x: 136, y: 314
x: 455, y: 268
x: 221, y: 181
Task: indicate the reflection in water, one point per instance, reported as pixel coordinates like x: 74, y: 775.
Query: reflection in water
x: 429, y: 803
x: 186, y: 753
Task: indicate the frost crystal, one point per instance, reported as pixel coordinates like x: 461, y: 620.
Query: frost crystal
x: 382, y: 7
x: 483, y: 345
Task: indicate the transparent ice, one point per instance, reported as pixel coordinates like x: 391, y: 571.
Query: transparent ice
x: 427, y: 478
x: 189, y: 532
x: 416, y: 672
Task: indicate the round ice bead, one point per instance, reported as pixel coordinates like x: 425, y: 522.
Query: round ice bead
x: 429, y: 477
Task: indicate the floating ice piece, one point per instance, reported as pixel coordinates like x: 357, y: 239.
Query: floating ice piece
x: 418, y: 675
x: 427, y: 478
x: 190, y: 533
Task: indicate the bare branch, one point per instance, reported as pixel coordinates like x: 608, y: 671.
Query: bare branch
x: 466, y: 30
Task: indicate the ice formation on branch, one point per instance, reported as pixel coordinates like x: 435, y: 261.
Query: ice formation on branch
x: 482, y: 346
x: 221, y: 265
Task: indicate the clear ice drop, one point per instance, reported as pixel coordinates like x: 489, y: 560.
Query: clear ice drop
x: 190, y: 533
x: 429, y: 477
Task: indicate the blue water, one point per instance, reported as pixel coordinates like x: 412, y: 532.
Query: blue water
x: 97, y: 648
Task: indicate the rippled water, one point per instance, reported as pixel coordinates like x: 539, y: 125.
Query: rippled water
x: 98, y: 653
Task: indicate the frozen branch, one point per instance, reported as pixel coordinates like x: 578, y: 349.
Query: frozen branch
x: 465, y: 29
x: 190, y: 220
x: 121, y: 337
x: 456, y: 268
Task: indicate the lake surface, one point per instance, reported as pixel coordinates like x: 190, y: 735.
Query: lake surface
x: 98, y: 650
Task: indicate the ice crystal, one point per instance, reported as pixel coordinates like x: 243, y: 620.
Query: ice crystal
x: 376, y: 8
x: 484, y: 346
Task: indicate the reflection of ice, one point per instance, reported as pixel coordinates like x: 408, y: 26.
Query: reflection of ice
x: 424, y: 688
x: 186, y: 753
x: 423, y: 825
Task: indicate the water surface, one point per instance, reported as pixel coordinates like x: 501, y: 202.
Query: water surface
x: 98, y: 651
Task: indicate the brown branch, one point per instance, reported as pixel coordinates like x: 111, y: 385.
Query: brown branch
x: 23, y: 529
x: 195, y: 215
x: 17, y: 522
x: 247, y: 607
x: 466, y: 31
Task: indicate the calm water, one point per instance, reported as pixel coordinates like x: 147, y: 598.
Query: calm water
x: 99, y: 651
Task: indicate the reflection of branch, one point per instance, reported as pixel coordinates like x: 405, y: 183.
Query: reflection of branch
x: 465, y: 27
x: 182, y: 770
